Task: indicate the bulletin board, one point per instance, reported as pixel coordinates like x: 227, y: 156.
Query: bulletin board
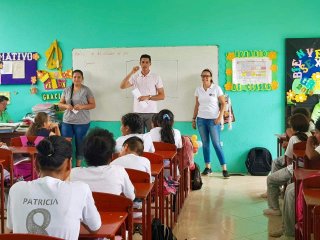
x: 254, y: 70
x: 302, y: 73
x: 18, y: 67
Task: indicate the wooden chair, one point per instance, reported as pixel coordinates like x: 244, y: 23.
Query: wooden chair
x: 311, y: 193
x: 20, y: 236
x: 138, y: 176
x: 16, y: 141
x: 106, y: 202
x: 299, y: 150
x: 7, y: 156
x: 316, y: 222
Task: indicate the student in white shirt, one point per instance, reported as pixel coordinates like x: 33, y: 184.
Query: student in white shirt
x: 131, y: 124
x: 300, y: 127
x: 50, y: 205
x: 98, y: 147
x: 131, y: 156
x: 164, y: 132
x: 149, y: 85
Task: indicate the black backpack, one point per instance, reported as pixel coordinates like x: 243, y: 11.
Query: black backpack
x: 161, y: 231
x: 259, y: 161
x: 196, y: 181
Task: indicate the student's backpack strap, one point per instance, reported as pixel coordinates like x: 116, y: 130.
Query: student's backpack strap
x: 37, y: 140
x: 24, y: 141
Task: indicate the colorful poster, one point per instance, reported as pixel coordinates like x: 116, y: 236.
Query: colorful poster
x: 302, y: 70
x: 18, y: 67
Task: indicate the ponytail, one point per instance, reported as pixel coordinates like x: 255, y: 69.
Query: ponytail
x: 165, y: 118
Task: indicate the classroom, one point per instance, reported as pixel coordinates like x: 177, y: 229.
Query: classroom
x: 84, y: 30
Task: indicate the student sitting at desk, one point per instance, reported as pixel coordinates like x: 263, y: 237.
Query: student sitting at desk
x: 43, y: 127
x: 98, y: 147
x: 4, y: 116
x: 131, y: 124
x: 50, y: 205
x: 131, y: 156
x: 300, y: 126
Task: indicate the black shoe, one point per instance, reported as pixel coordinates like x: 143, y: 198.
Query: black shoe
x: 206, y: 171
x: 225, y: 174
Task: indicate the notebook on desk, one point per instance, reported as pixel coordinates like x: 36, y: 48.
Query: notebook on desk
x: 8, y: 127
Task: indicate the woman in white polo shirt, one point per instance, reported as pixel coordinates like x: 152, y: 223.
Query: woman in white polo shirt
x: 208, y: 116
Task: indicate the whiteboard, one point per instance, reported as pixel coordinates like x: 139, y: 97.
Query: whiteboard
x: 179, y: 68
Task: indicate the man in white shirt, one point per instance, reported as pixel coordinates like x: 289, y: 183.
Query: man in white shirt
x: 150, y: 87
x: 130, y: 156
x: 98, y: 147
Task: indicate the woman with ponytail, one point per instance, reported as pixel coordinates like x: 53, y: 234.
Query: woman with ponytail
x: 42, y: 126
x: 77, y: 100
x: 164, y: 132
x: 50, y: 205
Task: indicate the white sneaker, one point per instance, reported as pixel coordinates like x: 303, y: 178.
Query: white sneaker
x: 264, y: 195
x: 270, y: 211
x: 276, y: 234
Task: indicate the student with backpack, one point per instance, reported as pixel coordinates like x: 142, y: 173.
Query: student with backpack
x: 51, y: 205
x: 42, y: 126
x: 300, y: 127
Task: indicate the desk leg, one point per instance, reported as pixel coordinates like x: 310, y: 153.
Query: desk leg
x: 148, y: 225
x: 156, y: 199
x: 161, y: 198
x: 144, y: 235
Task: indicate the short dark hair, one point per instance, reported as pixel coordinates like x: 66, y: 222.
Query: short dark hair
x: 299, y: 123
x: 145, y: 56
x: 133, y: 121
x: 3, y: 98
x: 155, y: 120
x: 303, y: 111
x: 135, y: 144
x: 98, y: 147
x: 52, y: 152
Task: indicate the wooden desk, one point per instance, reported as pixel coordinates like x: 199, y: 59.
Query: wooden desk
x: 171, y: 156
x: 299, y: 174
x: 143, y: 191
x: 311, y: 199
x: 157, y: 173
x: 6, y: 137
x: 111, y: 223
x: 31, y: 151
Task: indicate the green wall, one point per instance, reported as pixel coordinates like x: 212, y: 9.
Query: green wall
x: 233, y: 25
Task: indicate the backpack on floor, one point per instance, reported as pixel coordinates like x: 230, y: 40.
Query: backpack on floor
x: 259, y: 161
x: 196, y: 181
x: 161, y: 231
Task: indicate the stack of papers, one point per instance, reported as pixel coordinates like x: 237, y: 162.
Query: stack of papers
x: 48, y: 108
x: 8, y: 127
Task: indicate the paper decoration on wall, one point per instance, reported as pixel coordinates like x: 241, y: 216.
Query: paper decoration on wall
x: 7, y: 94
x: 302, y: 69
x: 18, y: 67
x: 251, y: 71
x: 54, y: 80
x: 51, y: 96
x: 54, y: 56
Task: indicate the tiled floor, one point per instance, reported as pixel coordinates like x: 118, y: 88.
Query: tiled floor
x: 226, y: 209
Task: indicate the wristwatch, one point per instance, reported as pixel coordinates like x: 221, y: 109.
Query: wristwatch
x: 150, y: 97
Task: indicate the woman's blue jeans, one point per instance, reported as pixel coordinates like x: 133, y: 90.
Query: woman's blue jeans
x: 208, y: 129
x: 78, y: 132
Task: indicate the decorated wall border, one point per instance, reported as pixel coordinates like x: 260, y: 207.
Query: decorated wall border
x: 258, y: 55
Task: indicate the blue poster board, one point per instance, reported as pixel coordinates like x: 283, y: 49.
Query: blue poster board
x: 18, y: 67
